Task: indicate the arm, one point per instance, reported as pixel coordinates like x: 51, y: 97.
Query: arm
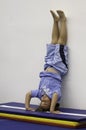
x: 53, y: 103
x: 27, y: 101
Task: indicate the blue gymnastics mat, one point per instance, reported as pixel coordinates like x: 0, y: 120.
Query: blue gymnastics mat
x: 6, y: 124
x: 70, y: 118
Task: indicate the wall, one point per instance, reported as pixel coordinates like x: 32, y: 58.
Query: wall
x: 25, y: 28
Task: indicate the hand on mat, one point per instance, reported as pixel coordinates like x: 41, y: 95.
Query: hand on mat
x: 30, y: 109
x: 56, y: 112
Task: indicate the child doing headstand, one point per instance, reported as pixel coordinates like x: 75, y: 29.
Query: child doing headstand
x: 56, y: 66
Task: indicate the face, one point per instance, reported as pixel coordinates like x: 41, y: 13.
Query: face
x: 45, y: 102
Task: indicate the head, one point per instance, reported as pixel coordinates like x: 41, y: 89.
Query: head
x: 45, y: 102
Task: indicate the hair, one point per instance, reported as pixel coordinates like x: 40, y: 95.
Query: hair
x: 40, y: 109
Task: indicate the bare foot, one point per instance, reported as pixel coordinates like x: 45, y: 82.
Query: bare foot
x: 61, y: 15
x: 55, y: 17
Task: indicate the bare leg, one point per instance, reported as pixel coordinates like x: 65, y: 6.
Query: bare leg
x: 63, y: 29
x: 55, y: 30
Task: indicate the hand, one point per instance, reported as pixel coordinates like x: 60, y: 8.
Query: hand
x: 30, y: 109
x: 56, y: 112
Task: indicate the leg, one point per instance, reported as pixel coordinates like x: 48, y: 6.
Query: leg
x: 63, y: 30
x: 55, y: 31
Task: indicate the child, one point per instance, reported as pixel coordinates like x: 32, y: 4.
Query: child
x: 56, y: 66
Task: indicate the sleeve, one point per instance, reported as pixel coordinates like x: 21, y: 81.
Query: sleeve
x: 34, y: 93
